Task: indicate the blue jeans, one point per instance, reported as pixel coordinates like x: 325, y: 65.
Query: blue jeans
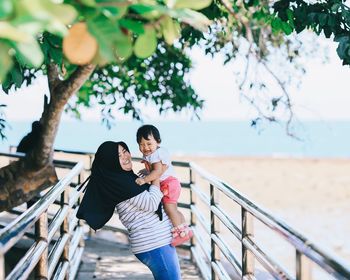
x: 163, y: 262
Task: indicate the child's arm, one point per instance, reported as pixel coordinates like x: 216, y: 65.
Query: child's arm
x: 157, y: 171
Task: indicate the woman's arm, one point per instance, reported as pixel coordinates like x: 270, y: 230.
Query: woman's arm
x: 148, y: 200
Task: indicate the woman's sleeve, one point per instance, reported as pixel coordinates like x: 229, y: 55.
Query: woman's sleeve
x: 147, y: 200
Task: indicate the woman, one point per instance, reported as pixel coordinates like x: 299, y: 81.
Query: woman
x: 112, y: 185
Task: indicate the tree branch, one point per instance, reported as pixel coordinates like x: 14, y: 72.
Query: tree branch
x: 70, y: 86
x: 252, y: 51
x: 43, y: 152
x: 52, y: 76
x: 244, y: 22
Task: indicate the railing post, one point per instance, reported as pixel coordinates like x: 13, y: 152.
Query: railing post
x: 2, y: 266
x: 80, y: 180
x: 247, y: 256
x: 41, y: 232
x: 192, y: 203
x: 64, y: 229
x: 214, y: 228
x: 303, y: 267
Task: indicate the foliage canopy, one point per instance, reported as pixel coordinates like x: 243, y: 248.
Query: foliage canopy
x: 132, y: 42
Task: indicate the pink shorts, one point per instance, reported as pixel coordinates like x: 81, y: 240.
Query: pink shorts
x: 171, y: 189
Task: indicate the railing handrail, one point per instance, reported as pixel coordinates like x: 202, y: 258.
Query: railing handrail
x: 14, y: 231
x: 75, y: 152
x: 57, y: 162
x: 325, y: 259
x: 83, y: 153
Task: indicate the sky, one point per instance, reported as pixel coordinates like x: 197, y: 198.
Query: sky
x: 323, y: 94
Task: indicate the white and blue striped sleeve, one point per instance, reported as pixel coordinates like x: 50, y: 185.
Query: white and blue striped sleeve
x: 147, y: 200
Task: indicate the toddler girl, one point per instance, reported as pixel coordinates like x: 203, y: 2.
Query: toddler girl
x: 158, y: 166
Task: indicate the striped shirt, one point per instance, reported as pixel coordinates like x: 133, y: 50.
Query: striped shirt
x: 146, y: 231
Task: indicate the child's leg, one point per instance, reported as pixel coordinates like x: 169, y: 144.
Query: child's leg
x: 181, y: 231
x: 175, y: 216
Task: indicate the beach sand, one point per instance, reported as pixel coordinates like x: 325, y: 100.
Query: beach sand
x: 310, y: 195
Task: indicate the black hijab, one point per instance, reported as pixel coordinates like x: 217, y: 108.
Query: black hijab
x: 109, y: 185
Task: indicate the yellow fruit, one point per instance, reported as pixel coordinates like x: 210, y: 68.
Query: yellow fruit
x: 79, y: 46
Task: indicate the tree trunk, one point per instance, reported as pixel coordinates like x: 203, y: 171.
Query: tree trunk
x: 23, y: 179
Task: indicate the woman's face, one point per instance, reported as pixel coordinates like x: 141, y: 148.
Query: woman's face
x: 124, y: 158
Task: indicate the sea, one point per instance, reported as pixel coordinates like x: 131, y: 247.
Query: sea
x: 313, y: 139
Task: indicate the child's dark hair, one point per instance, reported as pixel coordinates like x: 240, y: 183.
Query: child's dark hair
x: 148, y: 130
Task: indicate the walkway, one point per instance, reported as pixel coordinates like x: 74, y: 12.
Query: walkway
x: 107, y: 256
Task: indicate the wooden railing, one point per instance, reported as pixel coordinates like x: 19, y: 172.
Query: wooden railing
x: 58, y: 237
x: 212, y: 251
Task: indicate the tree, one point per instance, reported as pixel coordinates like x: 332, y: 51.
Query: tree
x: 103, y: 34
x: 121, y: 52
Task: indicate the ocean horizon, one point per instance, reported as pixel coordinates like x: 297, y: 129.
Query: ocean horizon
x: 320, y: 139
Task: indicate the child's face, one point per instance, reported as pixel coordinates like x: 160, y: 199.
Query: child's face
x: 147, y: 147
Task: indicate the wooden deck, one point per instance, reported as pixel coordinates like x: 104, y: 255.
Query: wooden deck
x: 107, y: 256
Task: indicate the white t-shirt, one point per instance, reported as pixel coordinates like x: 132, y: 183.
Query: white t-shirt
x: 161, y: 155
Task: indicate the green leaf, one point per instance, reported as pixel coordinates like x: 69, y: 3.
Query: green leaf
x: 344, y: 44
x: 332, y: 21
x: 84, y: 97
x: 43, y: 10
x: 149, y: 11
x: 290, y: 16
x: 59, y: 12
x: 6, y: 8
x: 192, y: 4
x: 106, y: 34
x: 134, y: 26
x: 195, y: 19
x: 142, y: 9
x: 335, y: 7
x: 287, y: 29
x: 327, y: 31
x: 56, y: 55
x: 276, y: 24
x: 171, y: 30
x: 52, y: 17
x: 7, y: 31
x: 146, y: 44
x: 115, y: 12
x: 89, y: 3
x: 123, y: 47
x: 17, y: 76
x: 30, y: 54
x: 52, y: 48
x: 323, y: 19
x: 5, y: 61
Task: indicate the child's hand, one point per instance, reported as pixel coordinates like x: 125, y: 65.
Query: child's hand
x: 143, y: 172
x: 140, y: 181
